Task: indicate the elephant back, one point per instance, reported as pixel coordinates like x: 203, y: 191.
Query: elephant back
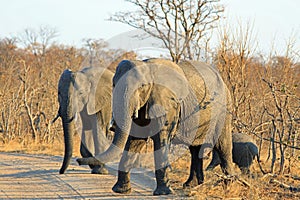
x: 212, y: 98
x: 195, y: 80
x: 245, y: 141
x: 242, y: 137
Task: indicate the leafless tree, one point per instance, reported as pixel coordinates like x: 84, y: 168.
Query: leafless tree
x: 37, y: 41
x: 180, y: 24
x: 95, y: 50
x: 265, y: 94
x: 233, y: 58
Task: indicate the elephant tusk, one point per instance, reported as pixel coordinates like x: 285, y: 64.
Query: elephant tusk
x: 112, y: 125
x: 136, y: 114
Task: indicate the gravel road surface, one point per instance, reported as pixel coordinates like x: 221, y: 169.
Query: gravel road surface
x: 24, y: 176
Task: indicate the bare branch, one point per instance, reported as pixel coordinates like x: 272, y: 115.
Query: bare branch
x: 180, y: 24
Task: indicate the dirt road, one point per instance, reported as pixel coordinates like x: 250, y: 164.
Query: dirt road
x: 24, y: 176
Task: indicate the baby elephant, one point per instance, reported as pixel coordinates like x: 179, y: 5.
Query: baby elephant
x: 244, y: 150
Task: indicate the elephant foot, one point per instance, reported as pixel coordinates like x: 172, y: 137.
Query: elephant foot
x: 162, y: 182
x: 122, y: 188
x: 88, y: 161
x: 209, y: 168
x: 245, y: 170
x: 192, y: 183
x: 187, y: 184
x: 99, y: 170
x: 123, y: 184
x: 163, y: 190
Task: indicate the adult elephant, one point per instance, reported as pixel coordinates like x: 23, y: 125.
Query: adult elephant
x: 158, y: 99
x: 87, y: 92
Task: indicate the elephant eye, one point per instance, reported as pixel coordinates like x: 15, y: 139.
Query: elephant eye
x: 80, y: 92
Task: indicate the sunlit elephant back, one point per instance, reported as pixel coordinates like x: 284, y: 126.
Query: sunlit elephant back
x: 210, y: 115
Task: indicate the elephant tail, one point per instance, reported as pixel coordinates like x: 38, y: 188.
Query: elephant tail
x: 259, y: 164
x: 56, y: 117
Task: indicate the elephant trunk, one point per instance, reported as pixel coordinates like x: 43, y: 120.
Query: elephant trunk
x: 115, y: 150
x: 68, y: 139
x: 123, y: 122
x: 122, y: 116
x: 68, y: 128
x: 123, y: 110
x: 67, y: 115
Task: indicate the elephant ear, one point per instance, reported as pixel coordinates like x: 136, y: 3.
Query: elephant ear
x: 100, y: 91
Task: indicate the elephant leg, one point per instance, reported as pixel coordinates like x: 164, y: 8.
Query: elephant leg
x: 96, y: 169
x: 123, y: 183
x: 214, y: 162
x: 129, y: 157
x: 161, y: 150
x: 225, y: 159
x: 224, y: 149
x: 192, y: 169
x: 163, y: 185
x: 85, y: 153
x: 244, y: 162
x: 99, y: 169
x: 199, y: 166
x: 245, y: 170
x: 99, y: 145
x: 196, y: 167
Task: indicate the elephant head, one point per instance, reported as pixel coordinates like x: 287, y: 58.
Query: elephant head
x: 86, y: 89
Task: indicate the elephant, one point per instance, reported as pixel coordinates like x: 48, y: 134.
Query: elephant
x: 244, y: 151
x: 87, y: 92
x: 185, y: 103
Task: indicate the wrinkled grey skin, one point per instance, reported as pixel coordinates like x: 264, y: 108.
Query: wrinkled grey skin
x: 87, y: 93
x: 244, y: 152
x: 141, y: 110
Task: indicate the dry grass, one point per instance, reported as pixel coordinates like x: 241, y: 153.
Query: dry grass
x: 261, y: 186
x: 31, y: 147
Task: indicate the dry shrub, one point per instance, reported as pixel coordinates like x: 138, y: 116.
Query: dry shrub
x: 265, y: 95
x: 261, y: 186
x: 28, y: 93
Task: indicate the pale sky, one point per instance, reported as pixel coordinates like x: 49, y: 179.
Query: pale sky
x: 78, y: 19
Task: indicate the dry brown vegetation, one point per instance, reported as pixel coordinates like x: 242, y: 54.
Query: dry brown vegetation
x: 265, y: 97
x: 258, y: 186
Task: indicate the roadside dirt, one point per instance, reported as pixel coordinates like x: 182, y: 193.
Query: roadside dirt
x: 24, y: 176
